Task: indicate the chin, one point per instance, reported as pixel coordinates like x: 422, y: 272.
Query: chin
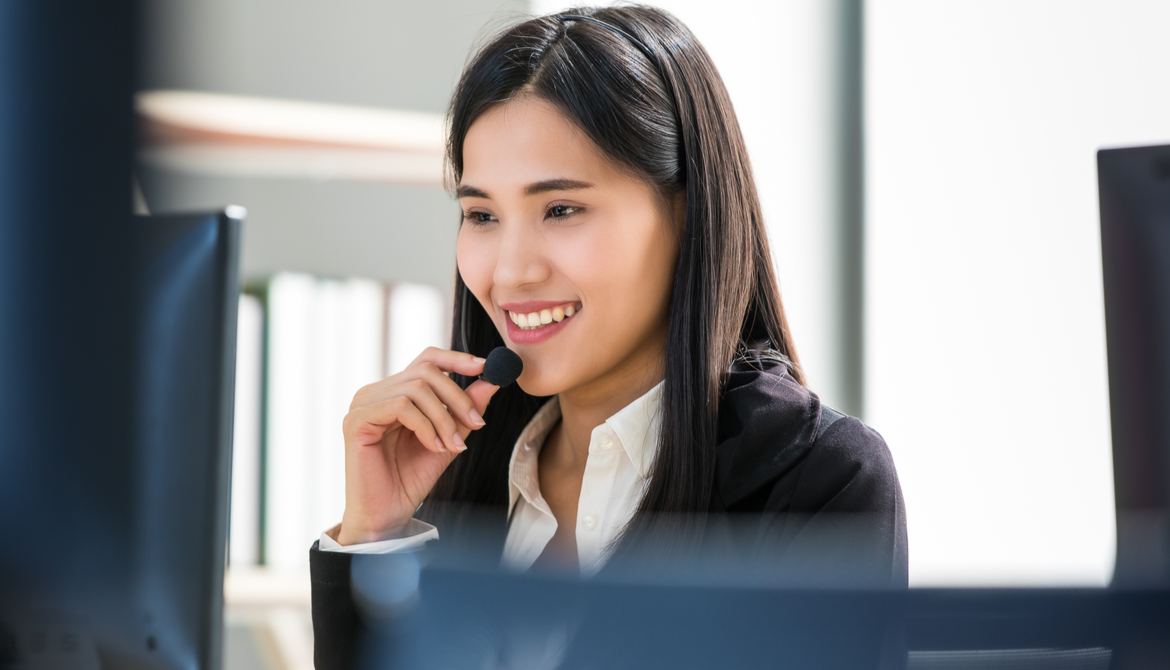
x: 534, y: 383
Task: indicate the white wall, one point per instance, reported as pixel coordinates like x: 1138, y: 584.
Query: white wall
x: 985, y: 330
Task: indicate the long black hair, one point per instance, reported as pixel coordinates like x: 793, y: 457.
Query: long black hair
x: 644, y: 90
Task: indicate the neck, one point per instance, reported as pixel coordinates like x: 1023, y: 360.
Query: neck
x: 586, y: 407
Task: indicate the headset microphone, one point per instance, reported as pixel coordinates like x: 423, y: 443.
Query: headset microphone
x: 503, y: 366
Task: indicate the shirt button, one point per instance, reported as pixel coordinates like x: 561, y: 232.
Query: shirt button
x: 589, y: 521
x: 606, y: 444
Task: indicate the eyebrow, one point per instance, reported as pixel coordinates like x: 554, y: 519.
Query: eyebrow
x: 556, y: 185
x: 467, y: 191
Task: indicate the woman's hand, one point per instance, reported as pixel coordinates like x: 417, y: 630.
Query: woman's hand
x: 400, y: 434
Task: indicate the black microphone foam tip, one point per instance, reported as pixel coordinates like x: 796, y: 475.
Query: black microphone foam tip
x: 503, y: 367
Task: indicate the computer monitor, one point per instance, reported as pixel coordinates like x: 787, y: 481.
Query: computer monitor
x: 189, y: 300
x: 420, y: 614
x: 132, y: 570
x: 1134, y: 186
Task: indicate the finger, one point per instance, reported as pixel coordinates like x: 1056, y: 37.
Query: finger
x: 458, y: 403
x: 417, y: 422
x: 366, y: 425
x: 424, y: 398
x: 451, y: 361
x: 480, y: 393
x: 381, y: 389
x: 444, y: 360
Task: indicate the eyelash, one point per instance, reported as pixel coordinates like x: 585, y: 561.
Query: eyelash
x: 473, y: 217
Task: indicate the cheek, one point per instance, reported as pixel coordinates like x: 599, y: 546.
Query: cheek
x: 624, y: 271
x: 475, y: 258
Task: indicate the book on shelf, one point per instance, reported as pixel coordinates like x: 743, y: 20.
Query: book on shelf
x: 244, y: 525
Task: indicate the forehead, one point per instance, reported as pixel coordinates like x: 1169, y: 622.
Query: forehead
x: 527, y: 140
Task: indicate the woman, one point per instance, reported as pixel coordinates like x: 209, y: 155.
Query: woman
x: 612, y: 237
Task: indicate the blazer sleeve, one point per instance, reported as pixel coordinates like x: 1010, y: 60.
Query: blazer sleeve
x: 844, y: 519
x: 336, y: 624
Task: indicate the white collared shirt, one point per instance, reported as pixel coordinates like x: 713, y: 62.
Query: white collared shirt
x: 617, y: 470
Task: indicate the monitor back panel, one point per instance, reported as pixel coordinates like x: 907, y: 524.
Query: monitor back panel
x: 1134, y: 189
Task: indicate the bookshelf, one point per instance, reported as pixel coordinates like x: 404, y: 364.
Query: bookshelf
x: 241, y: 136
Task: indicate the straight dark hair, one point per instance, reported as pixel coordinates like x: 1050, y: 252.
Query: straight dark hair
x: 644, y: 90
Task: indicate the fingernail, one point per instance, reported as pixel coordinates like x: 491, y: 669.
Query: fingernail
x: 459, y: 443
x: 439, y: 444
x: 477, y: 359
x: 476, y: 418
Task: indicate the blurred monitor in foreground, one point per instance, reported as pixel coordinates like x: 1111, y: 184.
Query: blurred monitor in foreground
x: 453, y: 606
x: 139, y: 584
x: 1135, y: 244
x: 424, y: 612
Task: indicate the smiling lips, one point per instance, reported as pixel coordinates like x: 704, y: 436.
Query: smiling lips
x: 542, y: 318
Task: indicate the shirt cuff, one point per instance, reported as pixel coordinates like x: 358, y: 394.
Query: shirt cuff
x: 414, y: 536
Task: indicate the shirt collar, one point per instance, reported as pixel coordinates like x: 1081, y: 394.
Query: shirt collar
x: 523, y: 476
x: 636, y: 426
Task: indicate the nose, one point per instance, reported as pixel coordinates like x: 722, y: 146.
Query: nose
x: 521, y: 259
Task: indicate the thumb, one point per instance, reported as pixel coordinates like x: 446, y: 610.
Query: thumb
x: 481, y: 393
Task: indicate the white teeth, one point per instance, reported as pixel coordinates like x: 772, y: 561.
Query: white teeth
x: 534, y: 320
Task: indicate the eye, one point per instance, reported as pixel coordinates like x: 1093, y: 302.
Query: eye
x: 561, y: 211
x: 478, y: 218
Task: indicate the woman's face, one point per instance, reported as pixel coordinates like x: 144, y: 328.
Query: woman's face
x: 571, y: 257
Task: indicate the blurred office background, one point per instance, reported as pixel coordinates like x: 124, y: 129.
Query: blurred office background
x: 927, y: 171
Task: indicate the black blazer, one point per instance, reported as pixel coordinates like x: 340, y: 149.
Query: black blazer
x: 816, y: 490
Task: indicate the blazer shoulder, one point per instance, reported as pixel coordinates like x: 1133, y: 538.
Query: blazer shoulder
x: 767, y: 424
x: 822, y: 485
x: 849, y: 468
x: 780, y: 448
